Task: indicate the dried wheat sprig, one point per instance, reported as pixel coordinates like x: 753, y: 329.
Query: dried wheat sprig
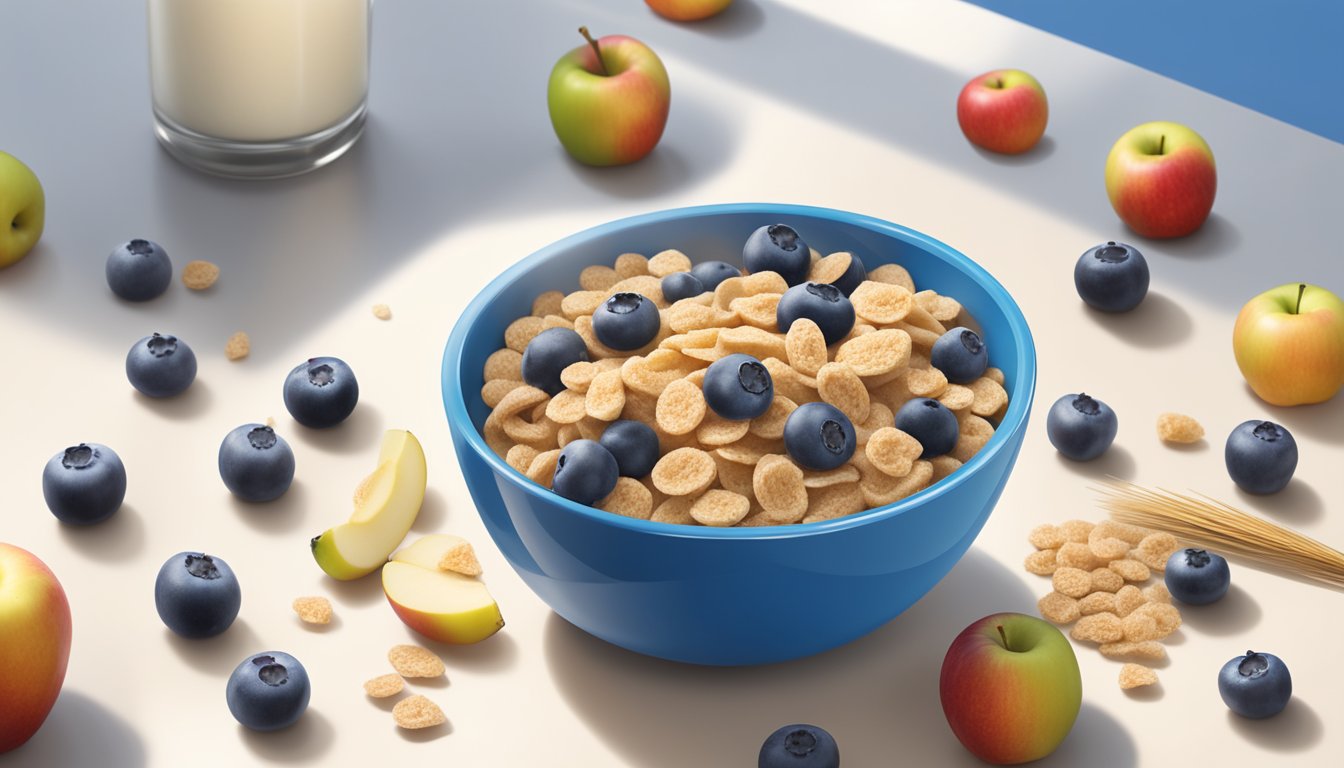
x: 1218, y: 526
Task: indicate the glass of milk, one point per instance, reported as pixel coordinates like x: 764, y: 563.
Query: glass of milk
x: 258, y: 88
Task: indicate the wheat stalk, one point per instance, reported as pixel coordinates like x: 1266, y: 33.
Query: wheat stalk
x: 1211, y: 523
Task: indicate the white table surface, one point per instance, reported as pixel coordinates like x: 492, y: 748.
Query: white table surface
x: 844, y: 104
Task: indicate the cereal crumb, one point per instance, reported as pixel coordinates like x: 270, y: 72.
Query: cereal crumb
x: 1098, y: 628
x: 382, y: 311
x: 1059, y: 608
x: 418, y: 712
x: 1131, y: 570
x: 461, y: 558
x: 1076, y: 531
x: 383, y: 686
x: 313, y: 610
x: 1127, y: 599
x: 199, y: 275
x: 1146, y: 649
x: 1106, y: 580
x: 1157, y: 593
x: 238, y: 346
x: 1046, y: 536
x: 1041, y: 562
x: 1074, y: 582
x: 1179, y: 428
x: 1136, y: 675
x: 414, y: 661
x: 270, y: 422
x: 1097, y: 602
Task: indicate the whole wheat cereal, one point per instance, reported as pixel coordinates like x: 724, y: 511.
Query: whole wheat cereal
x: 628, y: 499
x: 720, y: 508
x: 759, y: 311
x: 876, y: 353
x: 840, y: 386
x: 520, y: 457
x: 770, y: 424
x: 494, y: 390
x: 805, y: 346
x: 1157, y: 593
x: 832, y: 501
x: 548, y: 303
x: 1097, y: 602
x: 606, y: 396
x: 1041, y: 562
x: 504, y: 364
x: 684, y: 472
x: 1078, y: 555
x: 1098, y: 628
x: 238, y: 346
x: 384, y: 686
x: 1146, y: 649
x: 598, y: 278
x: 717, y: 431
x: 676, y: 509
x: 1058, y: 608
x: 1107, y: 548
x: 881, y: 303
x: 582, y: 303
x: 631, y: 265
x: 750, y: 341
x: 1154, y: 550
x: 989, y: 396
x: 1131, y: 570
x: 460, y: 558
x: 415, y: 712
x: 975, y: 433
x: 892, y: 451
x: 1127, y: 598
x: 1136, y: 676
x: 199, y: 275
x: 414, y: 661
x: 1132, y: 534
x: 944, y: 466
x: 1167, y: 616
x: 1179, y: 428
x: 1138, y: 627
x: 542, y: 469
x: 1076, y: 531
x: 521, y: 331
x: 830, y: 268
x: 880, y: 489
x: 926, y: 382
x: 779, y: 489
x: 893, y: 274
x: 957, y: 398
x: 1074, y: 582
x: 666, y: 262
x: 681, y: 408
x: 313, y: 610
x: 841, y: 475
x: 1046, y: 536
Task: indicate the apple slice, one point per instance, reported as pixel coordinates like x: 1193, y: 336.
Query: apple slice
x: 386, y: 504
x: 442, y: 551
x: 441, y: 605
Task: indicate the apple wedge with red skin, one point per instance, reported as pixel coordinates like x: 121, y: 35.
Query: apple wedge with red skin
x: 442, y: 605
x: 1289, y: 344
x: 1010, y: 688
x: 609, y: 100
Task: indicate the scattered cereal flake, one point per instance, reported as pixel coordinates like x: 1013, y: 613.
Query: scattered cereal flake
x: 1132, y: 534
x: 417, y: 711
x: 1136, y: 675
x: 1046, y: 536
x: 313, y: 610
x: 1097, y: 602
x: 1127, y: 598
x: 270, y: 422
x: 1154, y: 550
x: 199, y: 275
x: 684, y: 472
x: 1041, y: 562
x: 461, y: 558
x: 1139, y: 627
x: 238, y: 346
x: 1106, y: 580
x: 1147, y: 649
x: 414, y: 661
x: 1179, y: 428
x: 1074, y: 582
x: 1098, y: 628
x: 1107, y: 548
x: 1076, y: 531
x: 1059, y: 608
x: 1131, y: 570
x: 1157, y: 593
x: 629, y: 499
x: 1167, y: 616
x: 382, y: 311
x: 384, y: 686
x: 720, y: 508
x: 1078, y: 555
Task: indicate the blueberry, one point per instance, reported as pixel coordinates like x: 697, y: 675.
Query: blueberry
x: 1081, y: 427
x: 139, y: 270
x: 1197, y: 577
x: 819, y: 436
x: 681, y: 285
x: 711, y: 273
x: 799, y: 746
x: 197, y: 595
x: 960, y: 354
x: 321, y: 392
x: 255, y: 463
x: 1261, y: 456
x: 626, y: 321
x: 738, y: 387
x: 268, y: 691
x: 931, y: 423
x: 853, y: 276
x: 822, y: 303
x: 634, y: 444
x: 1112, y: 277
x: 549, y: 353
x: 84, y: 484
x: 1256, y: 685
x: 585, y: 472
x: 161, y: 366
x: 778, y: 248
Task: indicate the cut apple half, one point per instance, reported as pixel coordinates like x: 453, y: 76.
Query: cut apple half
x: 442, y: 606
x: 386, y: 505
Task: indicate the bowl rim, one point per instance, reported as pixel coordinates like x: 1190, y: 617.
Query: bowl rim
x: 1014, y: 418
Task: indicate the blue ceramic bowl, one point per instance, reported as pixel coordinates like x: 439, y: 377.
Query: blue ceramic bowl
x: 729, y: 596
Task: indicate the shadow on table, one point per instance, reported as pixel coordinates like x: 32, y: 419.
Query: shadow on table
x: 1297, y: 728
x: 876, y: 692
x: 80, y: 731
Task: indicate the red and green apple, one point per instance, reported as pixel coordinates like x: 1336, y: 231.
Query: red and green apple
x: 1161, y: 179
x: 1289, y: 344
x: 1010, y: 688
x: 22, y: 209
x: 688, y: 10
x: 609, y: 100
x: 1003, y: 111
x: 34, y: 644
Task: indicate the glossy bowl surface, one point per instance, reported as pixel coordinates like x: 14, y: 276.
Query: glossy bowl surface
x: 731, y: 596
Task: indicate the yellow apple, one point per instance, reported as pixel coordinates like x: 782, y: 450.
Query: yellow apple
x: 1289, y: 344
x: 22, y: 209
x: 439, y: 604
x: 386, y: 504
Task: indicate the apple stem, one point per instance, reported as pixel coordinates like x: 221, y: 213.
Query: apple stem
x: 601, y: 65
x: 1301, y: 288
x: 1161, y: 142
x: 1004, y: 636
